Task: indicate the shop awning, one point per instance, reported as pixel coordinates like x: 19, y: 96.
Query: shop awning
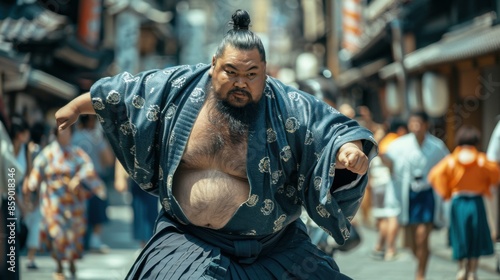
x: 12, y: 63
x: 40, y: 83
x: 53, y: 85
x: 466, y: 46
x: 355, y: 75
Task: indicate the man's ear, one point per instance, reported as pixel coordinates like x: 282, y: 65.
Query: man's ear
x: 212, y: 66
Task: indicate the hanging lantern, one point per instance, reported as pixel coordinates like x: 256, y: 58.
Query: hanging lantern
x: 435, y: 94
x: 307, y: 66
x: 393, y: 100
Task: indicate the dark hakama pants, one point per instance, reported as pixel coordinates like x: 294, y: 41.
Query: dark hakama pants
x: 469, y: 231
x: 179, y: 251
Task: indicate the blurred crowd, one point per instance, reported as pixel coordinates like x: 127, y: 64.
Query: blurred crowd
x: 416, y: 186
x: 63, y: 178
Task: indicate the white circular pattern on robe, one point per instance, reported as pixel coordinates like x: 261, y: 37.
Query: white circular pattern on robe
x: 268, y: 207
x: 166, y: 204
x: 293, y: 96
x: 290, y: 191
x: 286, y: 153
x: 309, y: 138
x: 179, y: 82
x: 152, y: 113
x: 268, y: 92
x: 271, y: 135
x: 252, y: 200
x: 97, y: 103
x: 292, y: 124
x: 128, y: 128
x: 317, y: 182
x: 301, y: 181
x: 327, y: 231
x: 128, y: 78
x: 198, y: 95
x: 148, y: 77
x: 322, y: 211
x: 332, y: 110
x: 146, y: 186
x: 252, y: 232
x: 331, y: 171
x: 172, y: 139
x: 170, y: 180
x: 172, y: 108
x: 132, y: 150
x: 160, y: 173
x: 169, y: 71
x: 275, y: 176
x: 113, y: 97
x: 99, y: 118
x: 345, y: 233
x: 265, y: 165
x: 278, y: 224
x: 138, y: 101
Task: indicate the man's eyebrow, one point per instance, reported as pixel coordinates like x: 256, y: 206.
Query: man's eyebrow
x: 234, y: 67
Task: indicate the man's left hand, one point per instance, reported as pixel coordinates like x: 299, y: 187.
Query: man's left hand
x: 352, y: 158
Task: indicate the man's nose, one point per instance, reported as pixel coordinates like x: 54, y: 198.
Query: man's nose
x: 240, y: 82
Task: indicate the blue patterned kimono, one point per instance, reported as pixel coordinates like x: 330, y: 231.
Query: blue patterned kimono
x: 292, y: 146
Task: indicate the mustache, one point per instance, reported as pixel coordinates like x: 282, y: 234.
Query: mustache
x: 235, y: 90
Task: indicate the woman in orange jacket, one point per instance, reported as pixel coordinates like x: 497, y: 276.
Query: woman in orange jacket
x: 464, y: 177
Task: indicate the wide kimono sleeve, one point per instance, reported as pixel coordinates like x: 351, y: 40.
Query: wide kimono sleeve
x: 315, y: 133
x: 333, y: 196
x: 439, y: 178
x: 129, y: 108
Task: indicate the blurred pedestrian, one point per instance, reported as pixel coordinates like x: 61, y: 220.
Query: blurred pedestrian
x: 410, y: 157
x: 465, y: 177
x: 26, y: 147
x: 364, y: 117
x: 65, y: 177
x: 144, y: 205
x: 33, y: 215
x: 385, y: 207
x: 89, y: 138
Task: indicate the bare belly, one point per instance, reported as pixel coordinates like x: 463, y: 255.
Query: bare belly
x: 209, y: 198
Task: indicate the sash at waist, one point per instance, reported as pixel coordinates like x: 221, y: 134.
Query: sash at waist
x: 245, y: 248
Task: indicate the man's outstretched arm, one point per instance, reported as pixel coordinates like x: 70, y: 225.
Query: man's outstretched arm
x: 69, y: 113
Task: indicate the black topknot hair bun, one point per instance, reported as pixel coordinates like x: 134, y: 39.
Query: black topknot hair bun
x: 241, y: 19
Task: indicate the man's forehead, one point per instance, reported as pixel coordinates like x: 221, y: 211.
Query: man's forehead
x: 242, y: 58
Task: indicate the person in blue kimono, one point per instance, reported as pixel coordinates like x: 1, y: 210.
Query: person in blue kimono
x: 233, y: 155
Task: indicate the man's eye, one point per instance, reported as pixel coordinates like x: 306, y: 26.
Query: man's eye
x: 230, y: 72
x: 252, y: 74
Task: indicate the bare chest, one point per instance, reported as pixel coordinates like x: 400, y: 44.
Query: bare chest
x: 211, y: 146
x: 211, y: 182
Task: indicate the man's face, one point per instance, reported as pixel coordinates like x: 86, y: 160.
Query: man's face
x: 417, y: 126
x: 238, y: 76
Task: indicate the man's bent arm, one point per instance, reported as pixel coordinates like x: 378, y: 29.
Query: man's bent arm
x: 67, y: 115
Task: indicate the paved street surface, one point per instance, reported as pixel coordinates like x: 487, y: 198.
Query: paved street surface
x: 357, y: 264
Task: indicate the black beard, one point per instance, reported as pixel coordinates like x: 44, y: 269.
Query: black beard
x: 238, y: 119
